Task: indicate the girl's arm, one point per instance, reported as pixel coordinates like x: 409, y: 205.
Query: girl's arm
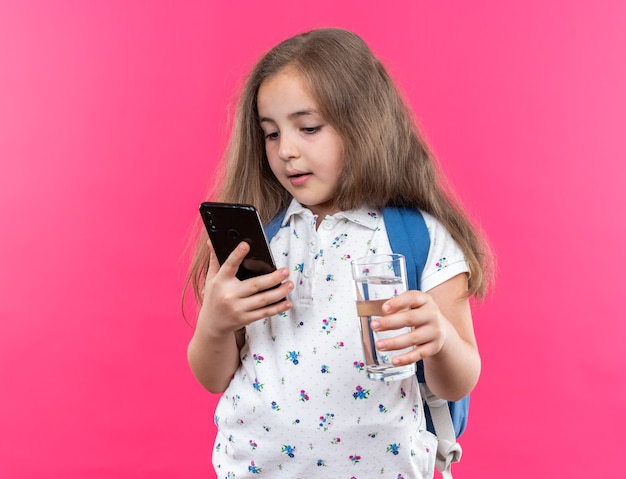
x: 454, y: 370
x: 229, y: 305
x: 443, y: 336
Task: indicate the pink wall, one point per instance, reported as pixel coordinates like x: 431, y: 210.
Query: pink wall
x: 111, y: 116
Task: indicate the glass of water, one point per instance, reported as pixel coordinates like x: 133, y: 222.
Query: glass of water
x: 378, y: 278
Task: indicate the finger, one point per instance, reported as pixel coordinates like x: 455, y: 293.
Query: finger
x: 412, y: 318
x: 266, y: 303
x: 407, y: 300
x: 234, y: 260
x: 270, y: 310
x: 423, y: 343
x: 417, y: 354
x: 272, y: 296
x: 397, y: 342
x: 265, y: 281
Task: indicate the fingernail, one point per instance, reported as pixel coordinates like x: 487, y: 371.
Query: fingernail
x: 374, y: 325
x: 386, y: 308
x: 380, y: 345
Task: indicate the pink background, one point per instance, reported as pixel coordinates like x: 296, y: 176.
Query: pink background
x: 111, y: 117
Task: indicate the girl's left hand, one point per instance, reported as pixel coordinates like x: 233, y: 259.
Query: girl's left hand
x: 419, y: 311
x: 442, y: 334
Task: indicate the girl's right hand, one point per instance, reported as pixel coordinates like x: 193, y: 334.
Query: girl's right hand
x: 230, y: 304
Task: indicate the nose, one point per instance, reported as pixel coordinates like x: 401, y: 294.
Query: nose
x: 288, y: 148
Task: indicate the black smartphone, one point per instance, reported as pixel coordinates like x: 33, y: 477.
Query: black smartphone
x: 228, y: 224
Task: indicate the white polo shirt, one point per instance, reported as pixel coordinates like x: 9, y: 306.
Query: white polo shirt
x: 300, y: 405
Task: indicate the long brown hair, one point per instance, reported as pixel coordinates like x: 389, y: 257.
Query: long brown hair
x: 386, y: 160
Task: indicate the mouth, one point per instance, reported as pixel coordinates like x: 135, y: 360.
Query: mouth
x: 298, y: 178
x: 296, y: 174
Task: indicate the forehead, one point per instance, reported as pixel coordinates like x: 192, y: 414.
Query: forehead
x: 284, y: 93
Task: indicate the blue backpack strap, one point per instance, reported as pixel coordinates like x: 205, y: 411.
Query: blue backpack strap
x: 408, y: 235
x: 274, y: 225
x: 459, y: 411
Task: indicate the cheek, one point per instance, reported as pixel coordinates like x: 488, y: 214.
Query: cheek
x: 339, y: 163
x: 274, y: 164
x: 337, y: 149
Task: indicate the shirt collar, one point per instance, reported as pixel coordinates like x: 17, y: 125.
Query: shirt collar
x: 368, y: 217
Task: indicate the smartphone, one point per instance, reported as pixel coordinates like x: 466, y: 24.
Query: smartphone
x: 228, y: 224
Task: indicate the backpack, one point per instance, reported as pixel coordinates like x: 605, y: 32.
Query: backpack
x: 409, y: 236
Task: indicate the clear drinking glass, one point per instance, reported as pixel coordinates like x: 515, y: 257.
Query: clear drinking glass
x: 377, y: 278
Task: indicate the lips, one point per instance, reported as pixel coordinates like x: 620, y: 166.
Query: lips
x: 298, y: 178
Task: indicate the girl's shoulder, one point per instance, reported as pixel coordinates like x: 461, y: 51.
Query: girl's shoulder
x: 445, y: 257
x: 427, y: 238
x: 435, y: 227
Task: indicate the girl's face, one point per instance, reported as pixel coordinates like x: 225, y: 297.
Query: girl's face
x: 304, y: 152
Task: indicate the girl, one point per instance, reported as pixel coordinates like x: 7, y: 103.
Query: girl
x: 322, y: 137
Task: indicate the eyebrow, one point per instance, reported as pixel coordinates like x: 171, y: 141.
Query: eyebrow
x: 292, y: 116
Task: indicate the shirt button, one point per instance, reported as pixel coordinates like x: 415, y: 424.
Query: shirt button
x: 328, y: 225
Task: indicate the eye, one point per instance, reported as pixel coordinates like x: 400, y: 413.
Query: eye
x: 272, y: 135
x: 312, y: 129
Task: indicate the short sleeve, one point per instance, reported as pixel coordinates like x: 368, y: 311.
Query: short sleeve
x: 445, y: 257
